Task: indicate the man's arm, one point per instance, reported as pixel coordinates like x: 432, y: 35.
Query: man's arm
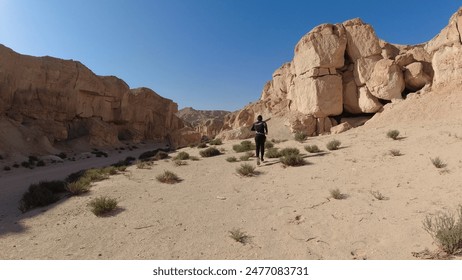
x: 266, y: 128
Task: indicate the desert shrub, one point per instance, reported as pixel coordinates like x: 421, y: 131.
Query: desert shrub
x: 273, y: 153
x: 289, y: 151
x: 178, y: 162
x: 182, y: 156
x: 193, y: 158
x: 16, y: 165
x: 25, y: 164
x: 41, y: 194
x: 144, y: 165
x: 438, y: 163
x: 96, y: 174
x: 6, y: 168
x: 336, y: 194
x: 446, y: 230
x: 395, y: 152
x: 269, y: 145
x: 102, y: 205
x: 168, y: 177
x: 40, y: 163
x: 124, y: 163
x: 378, y: 195
x: 231, y: 159
x: 209, y: 152
x: 239, y: 236
x: 246, y: 170
x: 216, y: 142
x: 300, y: 136
x: 161, y: 155
x: 147, y: 155
x: 333, y: 145
x: 111, y: 170
x: 292, y: 160
x: 202, y: 145
x: 312, y: 149
x: 244, y: 157
x: 62, y: 155
x: 78, y: 187
x: 245, y: 146
x: 393, y: 134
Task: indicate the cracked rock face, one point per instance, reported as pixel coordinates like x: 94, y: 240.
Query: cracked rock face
x: 345, y: 68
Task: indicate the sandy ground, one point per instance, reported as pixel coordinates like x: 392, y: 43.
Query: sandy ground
x: 287, y: 212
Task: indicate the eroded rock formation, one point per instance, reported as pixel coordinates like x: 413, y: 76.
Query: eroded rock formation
x: 343, y: 70
x: 62, y: 100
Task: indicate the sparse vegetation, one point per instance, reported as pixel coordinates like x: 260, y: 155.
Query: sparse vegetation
x: 6, y: 168
x: 395, y: 152
x: 182, y: 156
x: 168, y: 177
x: 41, y: 194
x: 393, y: 134
x: 239, y: 236
x: 246, y: 170
x: 178, y: 162
x: 333, y: 145
x: 102, y: 205
x: 300, y: 136
x: 193, y: 158
x: 202, y: 145
x: 268, y: 145
x: 378, y: 195
x: 446, y: 230
x: 336, y: 194
x: 289, y: 151
x: 292, y: 160
x: 144, y: 165
x: 40, y: 163
x: 438, y: 163
x: 78, y: 187
x: 215, y: 142
x: 209, y: 152
x: 231, y: 159
x: 244, y: 146
x: 273, y: 153
x: 312, y: 149
x: 161, y: 155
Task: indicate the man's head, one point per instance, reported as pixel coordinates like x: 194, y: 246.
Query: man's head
x: 259, y: 118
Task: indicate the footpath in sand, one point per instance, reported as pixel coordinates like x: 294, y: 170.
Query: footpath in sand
x: 287, y: 212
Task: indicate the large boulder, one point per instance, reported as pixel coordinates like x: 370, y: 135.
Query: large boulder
x: 415, y: 76
x: 447, y: 64
x: 386, y: 81
x: 362, y: 40
x: 324, y: 47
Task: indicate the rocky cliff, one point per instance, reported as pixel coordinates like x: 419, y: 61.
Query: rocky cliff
x: 45, y: 101
x: 206, y: 122
x: 344, y: 73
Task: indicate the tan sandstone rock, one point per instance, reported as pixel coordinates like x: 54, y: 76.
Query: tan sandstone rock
x: 415, y: 76
x: 386, y: 81
x: 362, y: 40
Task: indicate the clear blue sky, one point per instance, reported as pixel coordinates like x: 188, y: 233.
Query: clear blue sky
x: 208, y: 54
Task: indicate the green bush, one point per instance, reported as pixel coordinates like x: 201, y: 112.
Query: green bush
x: 293, y: 160
x: 312, y: 149
x: 168, y: 177
x: 289, y: 151
x: 102, y: 205
x: 333, y: 145
x: 41, y: 194
x: 446, y: 230
x: 182, y: 156
x: 79, y: 187
x: 246, y: 170
x: 231, y: 159
x: 300, y: 136
x: 244, y: 146
x: 393, y: 134
x: 273, y: 153
x: 215, y: 142
x: 209, y: 152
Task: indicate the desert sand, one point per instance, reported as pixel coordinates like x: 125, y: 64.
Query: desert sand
x: 287, y: 211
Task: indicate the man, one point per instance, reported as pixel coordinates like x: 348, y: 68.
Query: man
x: 261, y: 129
